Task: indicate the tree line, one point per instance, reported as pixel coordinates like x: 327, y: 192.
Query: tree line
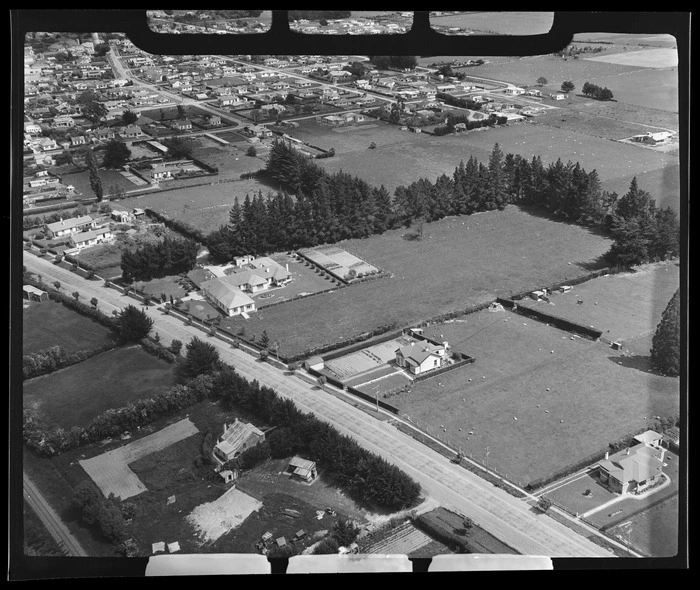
x: 170, y: 256
x: 596, y: 92
x: 327, y: 208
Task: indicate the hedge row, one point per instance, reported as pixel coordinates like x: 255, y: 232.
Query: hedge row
x: 51, y: 359
x: 114, y: 422
x: 183, y: 228
x: 73, y: 303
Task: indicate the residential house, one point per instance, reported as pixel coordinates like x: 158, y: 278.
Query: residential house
x: 259, y: 274
x: 214, y: 121
x: 514, y: 91
x: 131, y: 131
x: 636, y: 468
x: 182, y: 125
x: 103, y: 134
x: 120, y: 216
x: 303, y: 469
x: 65, y: 227
x: 419, y: 357
x: 650, y: 138
x: 236, y: 438
x: 63, y: 122
x: 77, y: 140
x: 228, y: 298
x: 32, y: 128
x: 85, y: 239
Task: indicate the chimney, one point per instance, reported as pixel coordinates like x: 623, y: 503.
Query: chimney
x: 607, y: 454
x: 628, y: 451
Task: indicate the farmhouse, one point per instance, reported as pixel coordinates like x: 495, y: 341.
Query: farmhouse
x: 81, y: 240
x: 236, y: 438
x: 419, y: 357
x: 302, y: 469
x: 227, y: 297
x: 65, y: 227
x: 636, y: 468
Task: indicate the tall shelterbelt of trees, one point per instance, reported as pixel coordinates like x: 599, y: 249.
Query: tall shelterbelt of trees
x: 327, y: 208
x: 169, y: 257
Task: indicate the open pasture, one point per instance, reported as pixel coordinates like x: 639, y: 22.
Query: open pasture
x: 74, y: 396
x: 536, y: 399
x: 624, y: 306
x: 459, y: 263
x: 204, y: 207
x: 424, y: 156
x: 109, y: 178
x: 50, y: 323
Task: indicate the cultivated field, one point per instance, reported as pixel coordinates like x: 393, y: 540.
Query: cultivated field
x: 110, y: 470
x: 109, y: 178
x: 77, y: 394
x: 537, y: 399
x: 50, y: 323
x: 459, y: 263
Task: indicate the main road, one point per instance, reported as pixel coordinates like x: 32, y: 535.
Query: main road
x: 510, y: 519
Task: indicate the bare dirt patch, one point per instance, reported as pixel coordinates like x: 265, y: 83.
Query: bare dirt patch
x: 215, y: 518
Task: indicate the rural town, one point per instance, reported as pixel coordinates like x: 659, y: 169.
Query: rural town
x: 292, y: 305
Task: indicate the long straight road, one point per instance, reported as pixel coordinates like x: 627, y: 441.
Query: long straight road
x: 509, y: 518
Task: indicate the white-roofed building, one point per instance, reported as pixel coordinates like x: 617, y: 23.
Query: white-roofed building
x: 303, y: 469
x: 226, y: 296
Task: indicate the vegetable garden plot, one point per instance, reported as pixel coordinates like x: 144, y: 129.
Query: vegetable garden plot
x: 110, y: 470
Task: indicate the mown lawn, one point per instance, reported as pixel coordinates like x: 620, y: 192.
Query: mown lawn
x: 77, y: 394
x: 50, y: 323
x: 459, y: 263
x: 536, y: 399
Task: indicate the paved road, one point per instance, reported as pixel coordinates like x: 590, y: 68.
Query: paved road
x: 51, y: 520
x: 509, y: 518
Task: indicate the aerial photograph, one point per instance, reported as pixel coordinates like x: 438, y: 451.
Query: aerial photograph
x: 420, y: 307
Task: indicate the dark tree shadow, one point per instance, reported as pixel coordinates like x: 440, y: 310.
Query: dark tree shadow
x: 639, y: 362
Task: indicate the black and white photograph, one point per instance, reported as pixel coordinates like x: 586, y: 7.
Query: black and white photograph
x: 347, y: 292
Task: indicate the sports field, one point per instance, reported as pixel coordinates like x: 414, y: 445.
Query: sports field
x: 77, y: 394
x: 460, y: 262
x: 537, y: 398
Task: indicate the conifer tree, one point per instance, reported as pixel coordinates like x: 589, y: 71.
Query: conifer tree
x: 666, y: 343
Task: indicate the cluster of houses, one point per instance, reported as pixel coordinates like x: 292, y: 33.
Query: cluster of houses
x: 232, y: 292
x: 79, y: 233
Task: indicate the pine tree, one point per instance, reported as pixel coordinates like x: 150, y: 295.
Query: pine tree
x: 666, y: 343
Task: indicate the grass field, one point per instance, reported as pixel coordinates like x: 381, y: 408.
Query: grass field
x: 77, y: 394
x: 424, y: 156
x: 109, y: 178
x: 204, y: 207
x: 626, y: 307
x: 537, y: 398
x: 50, y: 323
x: 455, y: 266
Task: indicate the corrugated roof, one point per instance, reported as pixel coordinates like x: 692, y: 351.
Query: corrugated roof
x: 236, y: 435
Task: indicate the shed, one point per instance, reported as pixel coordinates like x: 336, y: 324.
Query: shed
x: 34, y: 294
x: 281, y: 542
x: 314, y: 362
x: 173, y: 547
x: 537, y: 295
x: 565, y: 288
x: 160, y: 546
x: 299, y: 535
x: 267, y: 537
x: 303, y: 469
x: 228, y: 476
